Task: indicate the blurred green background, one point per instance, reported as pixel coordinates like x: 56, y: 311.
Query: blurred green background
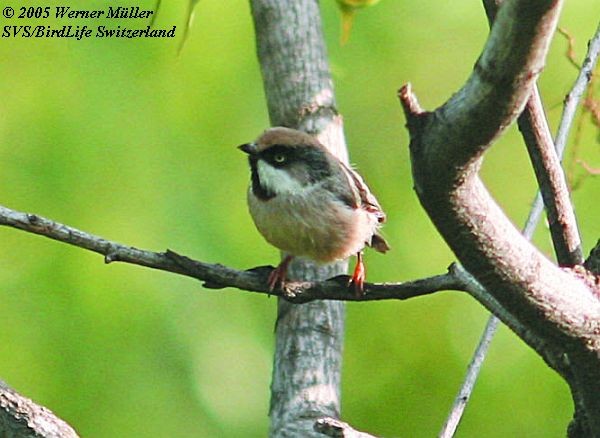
x: 129, y: 140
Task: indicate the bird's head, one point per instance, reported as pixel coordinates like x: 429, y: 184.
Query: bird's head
x: 286, y: 161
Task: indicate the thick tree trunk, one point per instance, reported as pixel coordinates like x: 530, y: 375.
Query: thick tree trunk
x: 309, y: 337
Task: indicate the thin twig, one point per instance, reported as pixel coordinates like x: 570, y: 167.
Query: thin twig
x: 589, y: 169
x: 572, y: 99
x: 466, y: 389
x: 216, y: 276
x: 571, y: 102
x: 570, y: 53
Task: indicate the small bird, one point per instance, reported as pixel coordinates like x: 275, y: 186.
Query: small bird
x: 308, y: 203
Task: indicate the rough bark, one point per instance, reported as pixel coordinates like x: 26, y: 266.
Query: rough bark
x: 557, y: 314
x: 545, y: 159
x: 309, y: 338
x: 20, y: 417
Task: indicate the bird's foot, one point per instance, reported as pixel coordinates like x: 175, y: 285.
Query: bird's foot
x: 358, y: 276
x: 278, y: 275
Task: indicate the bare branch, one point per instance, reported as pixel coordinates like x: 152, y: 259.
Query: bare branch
x: 559, y: 309
x: 493, y: 96
x: 298, y: 292
x: 537, y: 133
x: 534, y: 128
x: 572, y: 99
x: 571, y: 103
x: 112, y: 251
x: 445, y: 147
x: 552, y: 182
x: 21, y: 417
x: 216, y: 276
x: 466, y: 389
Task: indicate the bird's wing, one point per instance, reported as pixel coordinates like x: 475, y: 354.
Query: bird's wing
x: 363, y: 197
x: 356, y: 194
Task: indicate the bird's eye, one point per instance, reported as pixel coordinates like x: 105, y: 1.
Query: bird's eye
x: 279, y: 158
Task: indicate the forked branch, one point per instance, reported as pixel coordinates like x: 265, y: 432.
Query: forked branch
x: 560, y: 312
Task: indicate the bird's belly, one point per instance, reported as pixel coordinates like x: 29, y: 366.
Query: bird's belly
x: 324, y: 230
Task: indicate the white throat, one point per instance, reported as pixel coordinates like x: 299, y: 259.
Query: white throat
x: 276, y: 180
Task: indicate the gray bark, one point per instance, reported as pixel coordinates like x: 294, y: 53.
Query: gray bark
x: 552, y: 309
x: 20, y: 417
x: 309, y: 337
x: 555, y: 311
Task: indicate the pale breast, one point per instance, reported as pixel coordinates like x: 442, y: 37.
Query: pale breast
x: 316, y: 226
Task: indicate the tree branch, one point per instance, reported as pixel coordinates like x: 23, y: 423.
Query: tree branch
x: 445, y: 171
x: 496, y: 92
x: 216, y: 276
x: 536, y: 133
x: 21, y: 417
x: 446, y: 147
x: 540, y: 135
x: 552, y: 182
x: 570, y: 107
x: 466, y: 389
x: 299, y: 90
x: 574, y: 96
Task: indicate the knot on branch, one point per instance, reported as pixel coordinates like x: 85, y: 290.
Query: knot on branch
x: 333, y: 427
x: 412, y: 109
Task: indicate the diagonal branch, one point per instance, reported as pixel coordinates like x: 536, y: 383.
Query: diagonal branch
x: 21, y: 417
x: 546, y: 161
x: 446, y: 148
x: 496, y: 92
x: 533, y: 125
x: 570, y: 108
x: 552, y: 182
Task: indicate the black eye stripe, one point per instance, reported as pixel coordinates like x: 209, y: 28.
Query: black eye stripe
x: 316, y: 159
x: 279, y: 155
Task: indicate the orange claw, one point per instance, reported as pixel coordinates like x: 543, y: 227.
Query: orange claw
x: 358, y: 277
x: 278, y: 274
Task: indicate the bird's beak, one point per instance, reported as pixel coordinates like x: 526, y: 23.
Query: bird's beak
x: 249, y: 148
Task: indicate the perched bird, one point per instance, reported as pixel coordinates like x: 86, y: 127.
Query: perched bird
x: 307, y: 203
